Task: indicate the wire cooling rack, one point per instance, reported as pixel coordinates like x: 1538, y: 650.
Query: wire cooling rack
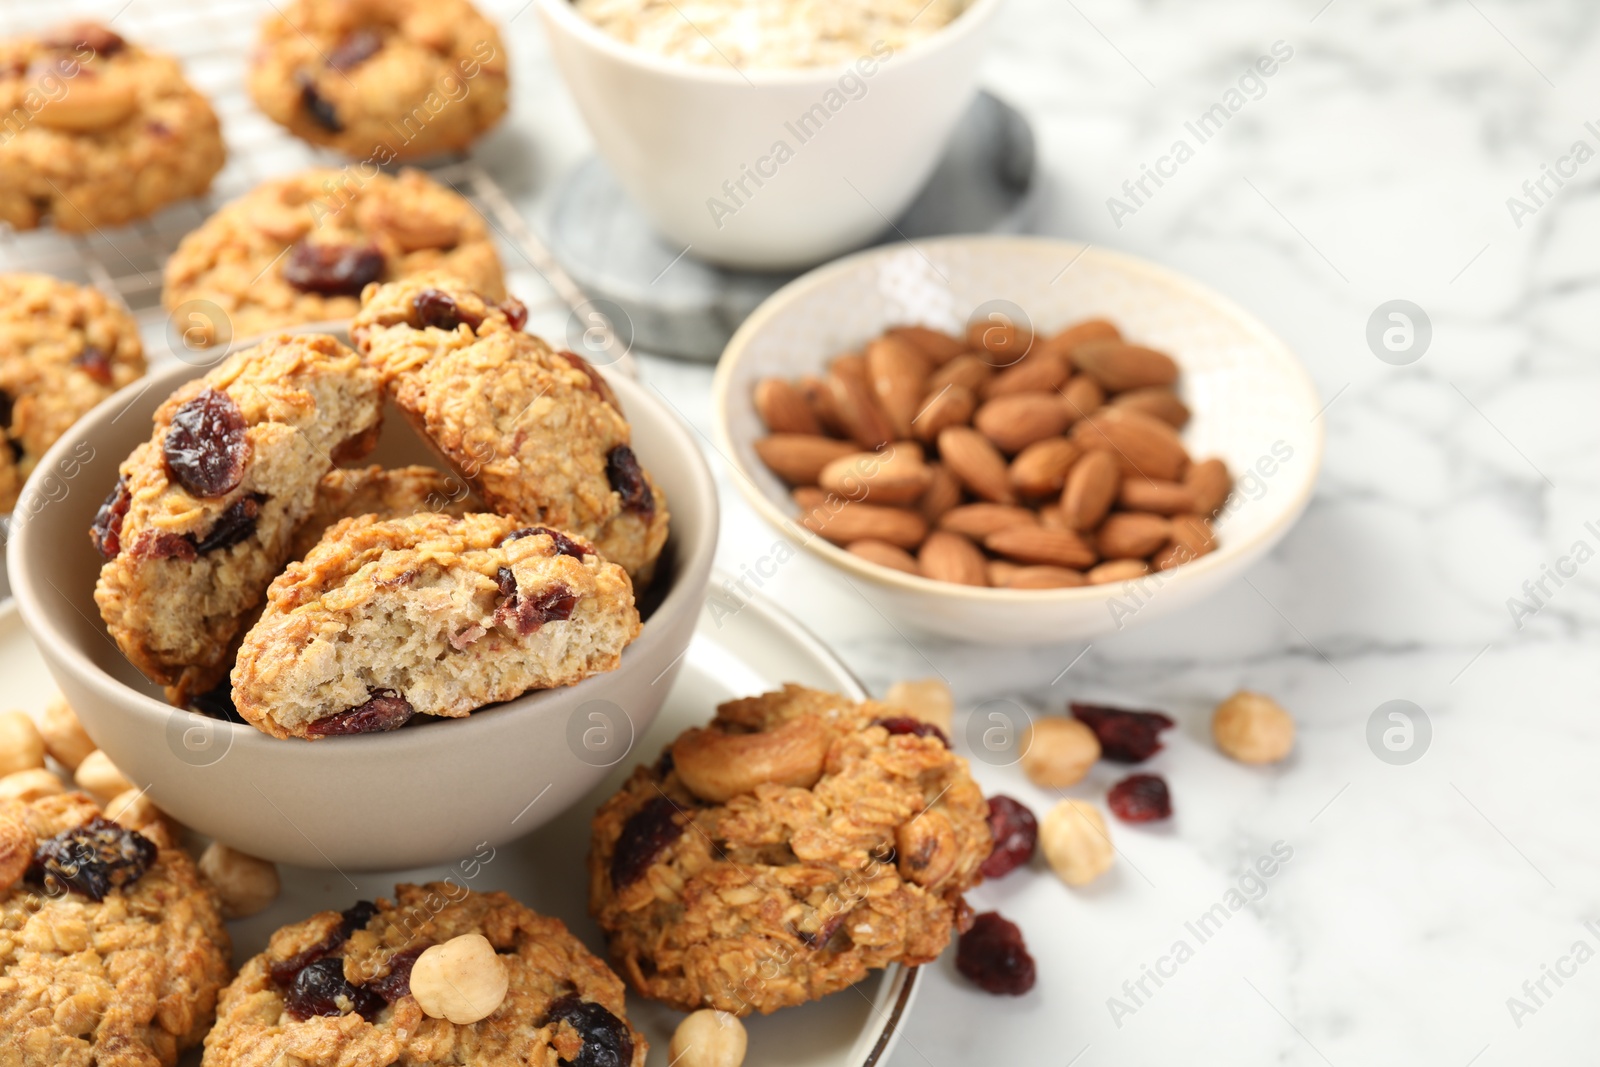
x: 214, y: 39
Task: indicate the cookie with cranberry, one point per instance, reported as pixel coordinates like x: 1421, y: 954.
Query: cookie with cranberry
x: 203, y: 514
x: 63, y: 349
x: 381, y: 79
x: 112, y: 950
x: 388, y: 493
x: 795, y: 844
x: 98, y: 131
x: 428, y: 614
x: 337, y: 989
x: 300, y: 249
x: 538, y: 433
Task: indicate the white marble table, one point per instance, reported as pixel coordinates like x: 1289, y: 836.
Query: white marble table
x: 1420, y: 898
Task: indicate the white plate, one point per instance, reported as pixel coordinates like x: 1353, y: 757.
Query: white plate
x: 546, y: 869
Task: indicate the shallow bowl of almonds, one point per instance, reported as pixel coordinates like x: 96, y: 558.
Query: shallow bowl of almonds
x: 1016, y: 439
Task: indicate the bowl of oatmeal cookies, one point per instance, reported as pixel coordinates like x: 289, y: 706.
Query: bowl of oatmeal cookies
x: 770, y: 135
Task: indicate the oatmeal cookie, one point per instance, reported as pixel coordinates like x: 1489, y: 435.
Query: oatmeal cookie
x: 112, y: 951
x: 63, y: 349
x: 381, y: 79
x: 428, y: 614
x: 335, y: 991
x: 301, y: 249
x: 385, y: 493
x: 538, y: 433
x: 798, y: 842
x: 95, y: 131
x: 203, y: 514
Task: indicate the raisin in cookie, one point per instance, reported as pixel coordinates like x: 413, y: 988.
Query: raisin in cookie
x: 381, y: 79
x: 97, y: 131
x: 112, y: 951
x: 203, y: 514
x: 798, y: 842
x: 537, y: 432
x: 301, y: 249
x: 428, y: 614
x: 63, y: 349
x: 388, y: 493
x: 336, y: 989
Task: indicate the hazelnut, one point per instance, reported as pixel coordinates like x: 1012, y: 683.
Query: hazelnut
x: 30, y: 785
x: 1058, y: 752
x: 132, y: 808
x: 461, y: 980
x: 708, y: 1038
x: 16, y: 848
x: 926, y: 700
x: 244, y: 884
x: 1075, y: 841
x: 21, y: 747
x: 1253, y: 728
x: 99, y: 777
x: 64, y: 736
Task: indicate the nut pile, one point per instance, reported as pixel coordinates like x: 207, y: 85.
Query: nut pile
x: 1000, y: 459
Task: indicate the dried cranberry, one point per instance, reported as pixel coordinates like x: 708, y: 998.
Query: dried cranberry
x: 525, y: 614
x: 321, y: 989
x: 1015, y: 832
x: 565, y: 546
x: 92, y: 859
x: 106, y: 530
x: 351, y: 919
x: 516, y: 312
x: 355, y: 49
x: 357, y: 916
x: 386, y: 710
x: 992, y: 955
x: 1140, y: 798
x: 397, y: 983
x: 905, y: 724
x: 596, y: 382
x: 439, y: 309
x: 6, y: 404
x: 332, y: 270
x: 649, y: 830
x: 206, y: 449
x: 86, y: 35
x: 95, y: 363
x: 607, y: 1041
x: 1125, y: 736
x: 217, y: 702
x: 622, y: 471
x: 820, y: 937
x: 319, y: 107
x: 152, y: 545
x: 234, y: 525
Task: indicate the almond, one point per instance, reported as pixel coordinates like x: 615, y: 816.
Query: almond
x: 798, y: 458
x: 1017, y: 421
x: 1091, y: 487
x: 1053, y: 517
x: 893, y: 475
x: 943, y: 493
x: 1118, y: 366
x: 949, y: 557
x: 852, y: 366
x: 820, y: 400
x: 1210, y: 483
x: 884, y: 555
x: 978, y: 521
x: 1036, y: 374
x: 937, y: 346
x: 1082, y: 397
x: 857, y: 409
x: 1191, y: 539
x: 1035, y: 544
x: 1000, y: 572
x: 1161, y: 498
x: 1041, y: 468
x: 1157, y: 401
x: 1131, y: 535
x: 1141, y: 444
x: 1117, y: 570
x: 807, y: 497
x: 950, y: 406
x: 844, y: 521
x: 968, y: 371
x: 898, y: 373
x: 1042, y: 577
x: 976, y: 464
x: 784, y: 408
x: 1004, y: 340
x: 1082, y: 333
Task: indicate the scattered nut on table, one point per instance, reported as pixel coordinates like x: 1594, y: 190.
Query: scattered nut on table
x: 29, y: 785
x: 927, y: 700
x: 244, y: 884
x: 132, y: 808
x: 21, y: 747
x: 64, y: 736
x: 461, y: 980
x: 100, y: 778
x: 1075, y: 840
x: 708, y: 1038
x: 1253, y: 728
x: 1058, y: 752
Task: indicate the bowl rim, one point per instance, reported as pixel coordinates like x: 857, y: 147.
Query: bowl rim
x: 976, y: 14
x: 1226, y: 553
x: 157, y: 713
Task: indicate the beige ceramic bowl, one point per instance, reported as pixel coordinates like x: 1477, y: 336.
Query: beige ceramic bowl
x: 1254, y: 405
x: 426, y: 794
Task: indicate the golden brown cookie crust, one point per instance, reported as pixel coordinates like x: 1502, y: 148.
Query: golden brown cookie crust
x: 381, y: 79
x: 387, y: 493
x: 784, y: 894
x: 95, y: 131
x: 544, y: 961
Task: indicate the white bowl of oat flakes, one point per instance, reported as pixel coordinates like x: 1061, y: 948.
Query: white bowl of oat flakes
x: 770, y: 134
